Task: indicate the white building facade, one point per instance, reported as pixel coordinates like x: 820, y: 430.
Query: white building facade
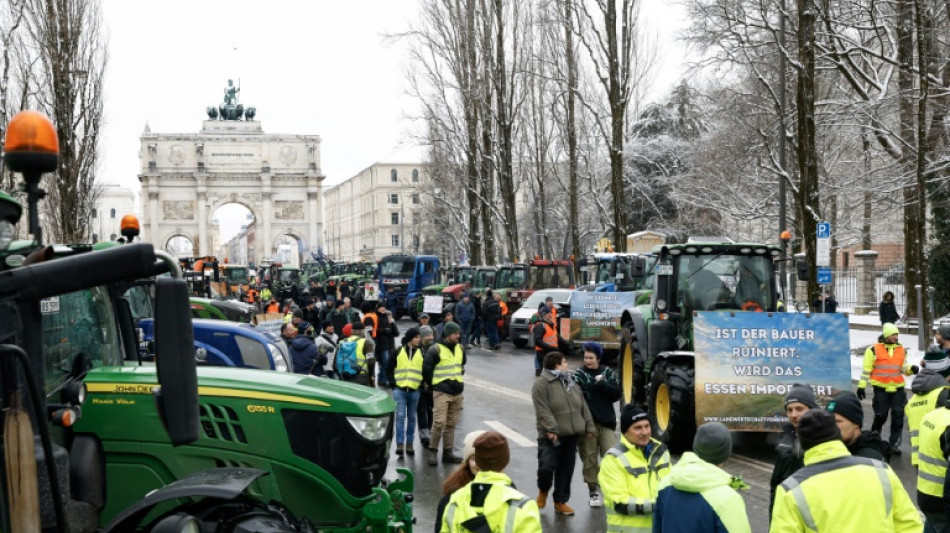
x: 114, y: 202
x: 377, y: 212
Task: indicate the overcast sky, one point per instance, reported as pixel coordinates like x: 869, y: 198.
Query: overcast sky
x: 308, y: 66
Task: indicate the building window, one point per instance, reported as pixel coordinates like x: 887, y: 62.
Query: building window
x: 415, y: 175
x: 393, y: 176
x: 395, y: 240
x: 112, y: 213
x: 395, y: 218
x: 394, y: 198
x: 94, y: 214
x: 415, y: 198
x: 415, y: 242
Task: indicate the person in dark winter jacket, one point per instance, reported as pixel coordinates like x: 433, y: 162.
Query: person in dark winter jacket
x: 601, y: 390
x: 887, y: 310
x: 849, y: 415
x: 465, y: 315
x: 790, y: 455
x: 303, y: 352
x: 491, y: 314
x: 386, y: 334
x: 698, y: 496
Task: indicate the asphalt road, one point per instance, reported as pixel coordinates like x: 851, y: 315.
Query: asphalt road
x: 498, y: 397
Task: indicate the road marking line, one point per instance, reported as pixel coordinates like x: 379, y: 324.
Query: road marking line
x: 525, y: 442
x: 526, y: 398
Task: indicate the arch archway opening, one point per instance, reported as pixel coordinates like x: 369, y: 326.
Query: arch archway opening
x: 289, y: 250
x: 233, y: 234
x: 181, y: 246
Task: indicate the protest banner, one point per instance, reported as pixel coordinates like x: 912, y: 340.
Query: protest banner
x: 595, y: 316
x: 747, y: 362
x: 371, y: 292
x: 432, y: 304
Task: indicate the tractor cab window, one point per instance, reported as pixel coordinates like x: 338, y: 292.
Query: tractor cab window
x: 606, y: 272
x: 140, y: 301
x: 237, y: 275
x: 398, y: 268
x: 711, y: 282
x: 550, y: 277
x: 289, y: 276
x: 81, y: 322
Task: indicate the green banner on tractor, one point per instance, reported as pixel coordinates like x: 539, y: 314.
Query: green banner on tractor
x: 746, y: 363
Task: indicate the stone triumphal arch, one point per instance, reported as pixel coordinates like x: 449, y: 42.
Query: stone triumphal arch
x: 185, y: 177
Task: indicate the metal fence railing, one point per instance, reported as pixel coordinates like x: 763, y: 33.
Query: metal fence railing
x: 846, y: 286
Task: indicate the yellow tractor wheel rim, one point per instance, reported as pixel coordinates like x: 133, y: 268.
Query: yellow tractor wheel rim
x: 626, y: 375
x: 662, y: 407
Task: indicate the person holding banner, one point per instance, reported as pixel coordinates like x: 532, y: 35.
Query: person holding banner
x: 885, y: 365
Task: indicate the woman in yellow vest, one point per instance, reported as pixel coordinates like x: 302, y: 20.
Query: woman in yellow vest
x: 490, y: 502
x: 405, y: 373
x: 885, y: 365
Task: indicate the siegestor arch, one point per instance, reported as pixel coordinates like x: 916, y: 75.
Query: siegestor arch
x: 241, y: 202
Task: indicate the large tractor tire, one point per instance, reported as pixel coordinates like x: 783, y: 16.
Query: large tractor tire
x: 630, y: 369
x: 672, y: 406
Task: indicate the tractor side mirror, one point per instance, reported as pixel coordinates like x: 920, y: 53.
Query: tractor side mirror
x: 663, y: 292
x: 804, y: 270
x: 638, y: 268
x: 177, y: 394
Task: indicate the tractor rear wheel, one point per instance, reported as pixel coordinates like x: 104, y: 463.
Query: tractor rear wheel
x: 672, y: 407
x: 630, y: 369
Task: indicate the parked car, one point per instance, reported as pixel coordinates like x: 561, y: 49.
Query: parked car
x: 521, y: 319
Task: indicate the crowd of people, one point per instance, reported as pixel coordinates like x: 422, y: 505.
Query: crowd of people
x: 828, y: 472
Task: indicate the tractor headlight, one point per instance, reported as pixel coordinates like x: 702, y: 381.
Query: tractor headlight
x: 7, y: 234
x: 370, y: 428
x: 661, y: 304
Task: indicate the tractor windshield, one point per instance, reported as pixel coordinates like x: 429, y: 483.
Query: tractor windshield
x: 289, y: 276
x: 397, y: 268
x: 483, y: 278
x: 236, y: 275
x: 550, y: 277
x: 510, y: 277
x: 81, y: 322
x: 710, y: 282
x: 466, y: 276
x: 140, y: 301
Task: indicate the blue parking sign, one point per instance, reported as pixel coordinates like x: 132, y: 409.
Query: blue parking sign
x: 824, y: 275
x: 824, y: 230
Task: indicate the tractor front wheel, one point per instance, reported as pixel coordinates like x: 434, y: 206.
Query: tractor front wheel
x: 672, y: 404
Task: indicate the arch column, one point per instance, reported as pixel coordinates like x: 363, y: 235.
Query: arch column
x: 153, y: 219
x: 203, y: 248
x: 267, y: 204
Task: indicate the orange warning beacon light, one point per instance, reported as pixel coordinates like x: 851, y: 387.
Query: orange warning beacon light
x: 786, y: 236
x: 129, y: 227
x: 31, y: 145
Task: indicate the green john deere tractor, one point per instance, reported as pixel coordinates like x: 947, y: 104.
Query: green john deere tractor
x: 135, y: 446
x: 656, y: 364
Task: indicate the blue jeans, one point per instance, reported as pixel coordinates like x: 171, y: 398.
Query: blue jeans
x: 466, y: 327
x: 491, y: 331
x: 406, y: 403
x: 382, y: 358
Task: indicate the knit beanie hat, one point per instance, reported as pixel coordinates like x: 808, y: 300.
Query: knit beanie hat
x: 358, y: 326
x: 594, y: 348
x: 944, y: 330
x: 426, y: 330
x: 491, y: 451
x: 450, y: 328
x: 816, y: 427
x: 329, y: 324
x: 713, y: 443
x: 937, y: 361
x: 468, y: 448
x: 410, y: 334
x: 347, y: 330
x: 631, y: 413
x: 889, y: 329
x: 848, y: 405
x: 545, y: 311
x: 801, y: 394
